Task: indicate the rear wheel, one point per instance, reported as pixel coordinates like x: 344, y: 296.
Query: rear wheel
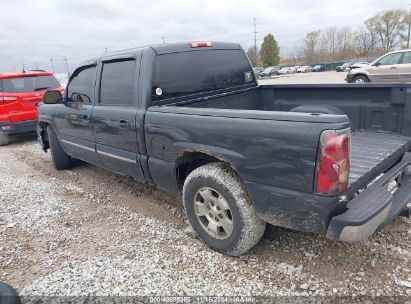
x: 220, y: 211
x: 61, y: 160
x: 4, y: 139
x: 360, y: 79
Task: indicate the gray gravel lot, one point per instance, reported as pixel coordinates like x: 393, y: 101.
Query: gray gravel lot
x: 88, y: 231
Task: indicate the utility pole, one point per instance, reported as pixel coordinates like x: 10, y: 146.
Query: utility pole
x: 409, y: 28
x: 164, y: 39
x: 255, y: 40
x: 52, y: 65
x: 65, y: 61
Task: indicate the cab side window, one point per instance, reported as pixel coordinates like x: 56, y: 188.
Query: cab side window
x: 117, y: 82
x: 81, y: 86
x: 390, y: 59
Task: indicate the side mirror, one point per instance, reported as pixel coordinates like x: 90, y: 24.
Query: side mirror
x: 52, y: 97
x: 377, y: 64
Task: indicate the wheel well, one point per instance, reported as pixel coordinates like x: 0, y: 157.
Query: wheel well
x: 361, y: 75
x: 189, y: 162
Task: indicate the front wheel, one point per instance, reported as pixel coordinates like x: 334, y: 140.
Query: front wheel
x: 220, y: 211
x: 360, y: 79
x: 61, y: 160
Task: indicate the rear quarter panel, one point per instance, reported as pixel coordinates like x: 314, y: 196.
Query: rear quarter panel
x: 279, y: 152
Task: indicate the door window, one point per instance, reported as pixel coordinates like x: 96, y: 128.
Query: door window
x: 117, y: 83
x: 81, y: 86
x: 390, y: 59
x: 407, y: 58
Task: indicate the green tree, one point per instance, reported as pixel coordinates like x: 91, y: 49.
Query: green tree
x: 388, y: 27
x: 270, y: 52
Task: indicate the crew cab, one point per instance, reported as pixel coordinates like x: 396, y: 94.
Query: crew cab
x: 191, y: 119
x: 19, y: 95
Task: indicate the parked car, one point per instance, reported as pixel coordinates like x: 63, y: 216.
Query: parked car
x: 392, y: 67
x: 318, y: 68
x: 19, y: 95
x: 295, y: 68
x: 270, y: 71
x: 258, y: 70
x: 240, y: 155
x: 286, y: 70
x: 344, y: 67
x: 304, y: 69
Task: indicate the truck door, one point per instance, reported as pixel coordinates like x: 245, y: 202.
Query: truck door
x: 73, y: 118
x: 114, y: 116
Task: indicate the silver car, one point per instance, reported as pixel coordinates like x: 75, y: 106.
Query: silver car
x: 392, y: 67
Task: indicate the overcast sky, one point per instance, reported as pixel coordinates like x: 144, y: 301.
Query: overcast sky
x: 34, y: 31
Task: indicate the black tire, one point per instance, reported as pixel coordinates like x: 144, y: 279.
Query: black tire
x: 247, y: 228
x: 360, y: 79
x: 4, y: 139
x: 61, y: 160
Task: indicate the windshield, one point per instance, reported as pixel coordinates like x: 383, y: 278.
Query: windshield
x: 29, y: 84
x: 196, y: 72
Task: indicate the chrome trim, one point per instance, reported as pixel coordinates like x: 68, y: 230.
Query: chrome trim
x: 357, y: 233
x: 77, y: 145
x: 132, y: 161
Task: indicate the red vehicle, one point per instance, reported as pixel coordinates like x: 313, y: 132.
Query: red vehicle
x: 19, y: 95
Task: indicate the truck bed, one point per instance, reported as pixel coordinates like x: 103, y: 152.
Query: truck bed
x: 373, y: 153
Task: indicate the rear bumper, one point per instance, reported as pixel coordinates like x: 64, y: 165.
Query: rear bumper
x: 7, y: 127
x: 375, y: 207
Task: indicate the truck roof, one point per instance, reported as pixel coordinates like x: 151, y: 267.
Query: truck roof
x: 25, y: 74
x: 170, y: 48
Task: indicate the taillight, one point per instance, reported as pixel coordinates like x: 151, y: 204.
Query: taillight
x: 7, y: 100
x: 333, y: 163
x: 200, y: 44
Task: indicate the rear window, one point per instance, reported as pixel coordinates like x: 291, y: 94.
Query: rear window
x: 29, y: 84
x: 197, y: 72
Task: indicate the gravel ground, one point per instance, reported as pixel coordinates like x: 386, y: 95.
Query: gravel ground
x: 88, y: 231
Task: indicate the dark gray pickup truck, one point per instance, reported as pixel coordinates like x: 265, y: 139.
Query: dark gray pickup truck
x: 191, y: 119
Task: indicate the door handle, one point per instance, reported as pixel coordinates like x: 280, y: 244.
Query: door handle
x: 393, y: 67
x: 124, y: 123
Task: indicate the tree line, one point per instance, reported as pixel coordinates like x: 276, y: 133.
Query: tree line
x: 379, y: 34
